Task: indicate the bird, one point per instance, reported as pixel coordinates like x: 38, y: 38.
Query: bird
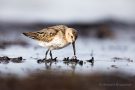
x: 55, y: 38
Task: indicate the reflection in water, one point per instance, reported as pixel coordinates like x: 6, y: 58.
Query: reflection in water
x: 48, y: 62
x: 72, y: 63
x: 48, y: 65
x: 73, y: 67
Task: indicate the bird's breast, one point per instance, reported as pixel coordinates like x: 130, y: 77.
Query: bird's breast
x: 56, y: 43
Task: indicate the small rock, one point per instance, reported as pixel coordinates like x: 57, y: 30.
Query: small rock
x: 114, y: 66
x: 40, y: 61
x: 91, y: 60
x: 81, y: 63
x: 6, y: 59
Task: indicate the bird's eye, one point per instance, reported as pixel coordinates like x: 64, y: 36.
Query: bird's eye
x: 71, y: 36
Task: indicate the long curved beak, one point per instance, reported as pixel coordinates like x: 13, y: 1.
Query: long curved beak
x: 74, y: 49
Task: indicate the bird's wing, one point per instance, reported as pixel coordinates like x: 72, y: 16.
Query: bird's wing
x: 49, y: 33
x: 46, y: 34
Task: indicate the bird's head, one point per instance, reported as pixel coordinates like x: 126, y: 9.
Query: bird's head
x: 71, y: 35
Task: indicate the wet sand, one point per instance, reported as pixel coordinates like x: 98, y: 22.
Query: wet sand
x: 68, y: 81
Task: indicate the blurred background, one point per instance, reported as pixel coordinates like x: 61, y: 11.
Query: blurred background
x: 83, y: 15
x: 86, y: 16
x: 63, y: 11
x: 106, y: 32
x: 88, y: 13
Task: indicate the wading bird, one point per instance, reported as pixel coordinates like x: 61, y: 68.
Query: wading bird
x: 55, y: 37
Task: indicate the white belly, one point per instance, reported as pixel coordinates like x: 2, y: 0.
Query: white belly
x: 56, y: 43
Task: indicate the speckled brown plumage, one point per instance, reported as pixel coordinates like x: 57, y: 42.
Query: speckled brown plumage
x: 47, y: 34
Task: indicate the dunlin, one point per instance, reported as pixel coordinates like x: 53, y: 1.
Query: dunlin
x: 55, y: 37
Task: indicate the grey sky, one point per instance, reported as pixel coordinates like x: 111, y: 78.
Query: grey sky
x: 67, y: 10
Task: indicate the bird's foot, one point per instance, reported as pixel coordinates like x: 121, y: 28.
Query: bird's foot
x: 41, y: 60
x: 51, y: 59
x: 54, y: 59
x: 66, y: 59
x: 74, y: 59
x: 45, y: 60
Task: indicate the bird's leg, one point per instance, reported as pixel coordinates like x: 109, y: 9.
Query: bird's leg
x: 51, y: 54
x: 74, y: 50
x: 46, y: 54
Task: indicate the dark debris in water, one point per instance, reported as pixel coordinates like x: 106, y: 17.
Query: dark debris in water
x: 67, y: 61
x: 70, y: 60
x: 114, y: 66
x: 46, y: 60
x: 77, y: 61
x: 122, y: 59
x: 6, y: 59
x: 91, y: 60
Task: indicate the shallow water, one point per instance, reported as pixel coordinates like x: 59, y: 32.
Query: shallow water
x: 109, y: 55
